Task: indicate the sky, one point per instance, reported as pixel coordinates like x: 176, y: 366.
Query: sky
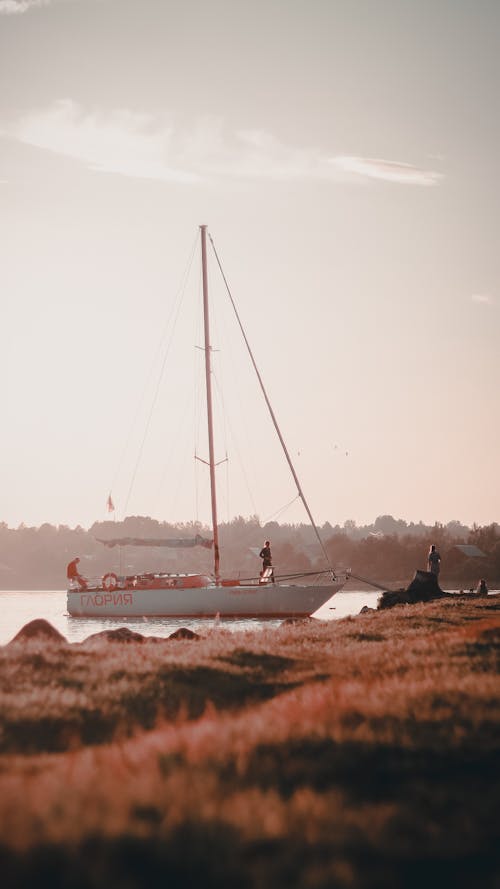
x: 344, y: 156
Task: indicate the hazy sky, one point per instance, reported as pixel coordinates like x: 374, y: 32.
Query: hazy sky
x: 344, y: 154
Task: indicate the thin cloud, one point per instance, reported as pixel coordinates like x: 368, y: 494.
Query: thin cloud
x: 485, y: 299
x: 390, y: 171
x: 151, y: 147
x: 147, y: 146
x: 16, y: 7
x: 121, y: 142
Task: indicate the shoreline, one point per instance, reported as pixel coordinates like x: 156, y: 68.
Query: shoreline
x: 356, y: 753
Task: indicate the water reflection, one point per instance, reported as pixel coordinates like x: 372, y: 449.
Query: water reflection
x: 17, y: 608
x: 79, y: 628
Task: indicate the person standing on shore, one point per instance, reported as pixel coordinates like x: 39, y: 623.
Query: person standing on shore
x: 74, y: 575
x: 433, y: 561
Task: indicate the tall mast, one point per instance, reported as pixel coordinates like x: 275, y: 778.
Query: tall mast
x: 208, y: 379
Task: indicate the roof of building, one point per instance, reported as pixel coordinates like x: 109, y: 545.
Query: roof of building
x: 470, y: 550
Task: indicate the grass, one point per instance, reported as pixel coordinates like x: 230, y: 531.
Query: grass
x: 359, y: 753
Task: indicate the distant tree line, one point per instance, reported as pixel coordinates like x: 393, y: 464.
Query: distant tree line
x: 389, y: 550
x: 391, y: 558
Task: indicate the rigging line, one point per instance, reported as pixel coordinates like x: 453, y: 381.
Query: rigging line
x: 199, y: 392
x: 273, y: 417
x: 229, y: 425
x: 281, y: 509
x: 180, y: 476
x: 180, y: 291
x: 227, y: 491
x: 196, y: 492
x: 247, y: 470
x: 157, y: 390
x: 198, y: 367
x: 181, y: 435
x: 218, y: 389
x: 148, y: 422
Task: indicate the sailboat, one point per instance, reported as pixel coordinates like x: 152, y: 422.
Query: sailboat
x: 202, y: 595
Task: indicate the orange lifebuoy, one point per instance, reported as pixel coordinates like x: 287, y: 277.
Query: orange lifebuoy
x: 110, y: 582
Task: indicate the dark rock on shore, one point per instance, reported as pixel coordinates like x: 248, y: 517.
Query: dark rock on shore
x: 423, y: 588
x: 122, y: 634
x: 38, y: 629
x: 184, y: 633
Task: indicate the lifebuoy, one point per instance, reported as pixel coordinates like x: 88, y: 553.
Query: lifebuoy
x: 110, y: 582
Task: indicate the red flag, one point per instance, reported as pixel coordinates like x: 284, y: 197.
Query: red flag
x: 111, y: 505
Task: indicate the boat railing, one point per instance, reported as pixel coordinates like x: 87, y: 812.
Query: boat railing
x: 90, y: 584
x: 151, y: 580
x: 111, y: 581
x: 323, y: 576
x: 269, y: 575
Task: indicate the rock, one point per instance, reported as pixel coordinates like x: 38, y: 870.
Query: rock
x: 122, y: 634
x: 184, y: 633
x: 393, y: 597
x: 292, y: 621
x: 423, y: 588
x: 367, y: 610
x: 38, y: 629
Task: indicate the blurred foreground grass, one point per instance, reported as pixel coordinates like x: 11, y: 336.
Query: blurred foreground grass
x: 355, y: 753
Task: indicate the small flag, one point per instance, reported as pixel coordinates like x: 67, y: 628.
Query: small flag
x: 111, y: 505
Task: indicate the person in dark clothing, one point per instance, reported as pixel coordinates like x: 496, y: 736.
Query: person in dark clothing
x: 433, y: 560
x: 267, y: 562
x: 482, y: 589
x: 74, y: 575
x: 265, y: 555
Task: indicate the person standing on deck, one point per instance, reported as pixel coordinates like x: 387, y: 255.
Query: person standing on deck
x: 267, y: 562
x: 433, y: 561
x: 265, y: 555
x: 74, y: 575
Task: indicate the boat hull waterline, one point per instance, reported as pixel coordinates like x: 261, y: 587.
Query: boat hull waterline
x: 258, y: 601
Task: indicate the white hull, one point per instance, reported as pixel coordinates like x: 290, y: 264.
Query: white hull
x: 259, y: 600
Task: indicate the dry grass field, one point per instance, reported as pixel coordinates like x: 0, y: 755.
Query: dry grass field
x: 359, y: 753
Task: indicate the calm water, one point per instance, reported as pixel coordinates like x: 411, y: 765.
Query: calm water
x: 17, y: 608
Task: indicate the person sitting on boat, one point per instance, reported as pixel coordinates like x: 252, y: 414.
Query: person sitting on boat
x: 433, y: 560
x: 482, y: 589
x: 74, y: 575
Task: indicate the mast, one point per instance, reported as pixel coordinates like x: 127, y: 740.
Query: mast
x: 208, y: 380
